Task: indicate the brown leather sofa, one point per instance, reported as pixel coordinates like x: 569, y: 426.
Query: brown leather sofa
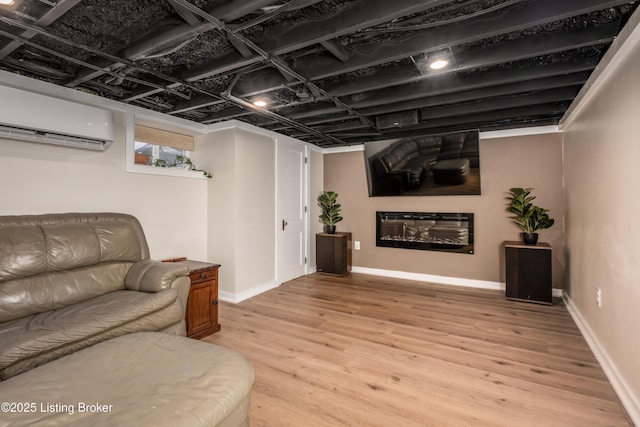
x: 90, y: 331
x: 68, y: 281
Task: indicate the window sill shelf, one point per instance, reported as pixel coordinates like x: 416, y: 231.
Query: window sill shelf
x: 155, y: 170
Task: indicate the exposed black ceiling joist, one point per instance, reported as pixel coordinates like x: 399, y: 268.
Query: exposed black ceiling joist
x: 333, y: 71
x: 361, y: 14
x: 525, y: 47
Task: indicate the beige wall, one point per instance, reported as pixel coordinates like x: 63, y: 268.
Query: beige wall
x: 219, y: 150
x: 241, y: 209
x: 37, y: 178
x: 602, y: 153
x: 256, y: 214
x: 525, y: 161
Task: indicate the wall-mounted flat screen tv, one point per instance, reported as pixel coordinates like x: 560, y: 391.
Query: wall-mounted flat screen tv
x: 424, y: 165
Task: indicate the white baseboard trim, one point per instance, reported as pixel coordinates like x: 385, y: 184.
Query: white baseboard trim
x: 442, y: 280
x: 235, y: 298
x: 630, y: 402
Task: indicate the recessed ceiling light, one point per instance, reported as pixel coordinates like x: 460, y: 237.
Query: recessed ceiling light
x: 439, y: 64
x: 260, y: 103
x: 6, y: 2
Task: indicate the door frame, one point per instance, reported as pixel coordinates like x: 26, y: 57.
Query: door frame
x: 305, y: 201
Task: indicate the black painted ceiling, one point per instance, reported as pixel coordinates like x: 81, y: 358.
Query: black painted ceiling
x: 333, y: 72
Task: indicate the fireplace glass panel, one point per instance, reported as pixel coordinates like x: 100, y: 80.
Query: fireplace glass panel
x: 434, y: 231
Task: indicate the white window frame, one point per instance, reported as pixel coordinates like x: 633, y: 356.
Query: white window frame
x: 131, y: 166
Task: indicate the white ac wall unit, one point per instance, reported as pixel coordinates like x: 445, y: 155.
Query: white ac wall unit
x: 33, y: 117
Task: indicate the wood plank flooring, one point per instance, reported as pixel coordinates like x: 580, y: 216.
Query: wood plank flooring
x: 363, y: 350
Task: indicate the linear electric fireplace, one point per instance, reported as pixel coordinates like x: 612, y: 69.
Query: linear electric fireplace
x: 431, y: 231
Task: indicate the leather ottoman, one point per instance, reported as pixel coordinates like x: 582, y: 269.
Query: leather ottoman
x: 451, y: 172
x: 141, y: 379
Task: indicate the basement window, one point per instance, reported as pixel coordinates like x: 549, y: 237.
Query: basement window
x: 161, y: 152
x: 160, y: 148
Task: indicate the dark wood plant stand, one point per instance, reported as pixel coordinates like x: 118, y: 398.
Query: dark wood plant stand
x: 333, y: 253
x: 528, y: 272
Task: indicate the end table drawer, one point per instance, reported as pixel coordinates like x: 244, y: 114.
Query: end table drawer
x: 202, y: 276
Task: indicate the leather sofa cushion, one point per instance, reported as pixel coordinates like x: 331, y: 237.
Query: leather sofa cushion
x: 451, y: 171
x: 149, y: 379
x: 405, y: 150
x: 33, y: 336
x: 451, y: 146
x: 428, y: 146
x: 453, y: 167
x: 46, y: 292
x: 28, y: 250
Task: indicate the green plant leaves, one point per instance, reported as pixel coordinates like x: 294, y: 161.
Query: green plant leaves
x: 527, y: 216
x: 330, y: 208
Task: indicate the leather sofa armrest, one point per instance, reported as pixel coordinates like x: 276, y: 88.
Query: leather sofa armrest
x: 154, y: 276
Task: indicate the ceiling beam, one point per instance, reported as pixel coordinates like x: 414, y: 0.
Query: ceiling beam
x: 518, y: 17
x: 536, y: 85
x: 188, y: 17
x: 502, y: 103
x: 508, y: 51
x: 172, y: 37
x: 528, y: 115
x: 336, y: 49
x: 457, y: 97
x: 439, y: 38
x: 449, y: 88
x: 388, y: 101
x: 361, y: 14
x: 526, y: 47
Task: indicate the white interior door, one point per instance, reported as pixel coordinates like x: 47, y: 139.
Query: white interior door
x: 292, y: 218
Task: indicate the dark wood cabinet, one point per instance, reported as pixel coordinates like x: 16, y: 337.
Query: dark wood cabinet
x: 528, y: 272
x: 333, y: 253
x: 202, y: 306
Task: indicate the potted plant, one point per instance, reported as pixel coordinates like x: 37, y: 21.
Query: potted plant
x: 330, y: 215
x: 181, y: 162
x: 527, y: 216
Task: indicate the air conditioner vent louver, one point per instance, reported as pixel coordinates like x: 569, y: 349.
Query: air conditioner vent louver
x: 33, y: 117
x: 52, y: 138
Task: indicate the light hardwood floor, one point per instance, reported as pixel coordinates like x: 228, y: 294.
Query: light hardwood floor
x: 374, y: 351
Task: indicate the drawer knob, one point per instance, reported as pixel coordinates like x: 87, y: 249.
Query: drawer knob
x: 203, y: 275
